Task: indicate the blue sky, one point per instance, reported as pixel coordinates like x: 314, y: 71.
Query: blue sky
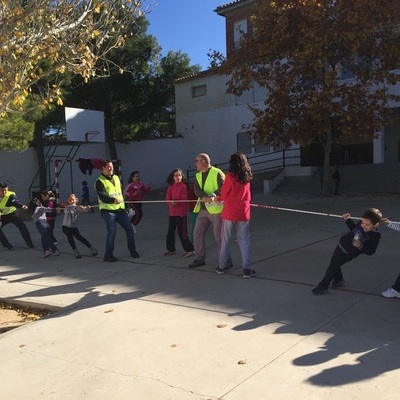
x: 188, y: 25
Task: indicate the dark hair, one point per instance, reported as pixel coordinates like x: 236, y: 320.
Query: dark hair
x: 33, y: 204
x: 4, y: 185
x: 133, y: 173
x: 46, y: 192
x: 373, y: 214
x: 240, y: 167
x: 84, y: 183
x: 170, y: 180
x: 105, y: 162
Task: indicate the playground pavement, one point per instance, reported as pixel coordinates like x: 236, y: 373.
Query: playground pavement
x: 151, y: 328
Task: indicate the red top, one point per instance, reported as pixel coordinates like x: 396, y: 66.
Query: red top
x: 135, y: 190
x: 177, y: 191
x: 236, y: 197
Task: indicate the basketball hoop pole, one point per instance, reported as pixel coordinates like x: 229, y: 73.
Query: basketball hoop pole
x: 57, y: 182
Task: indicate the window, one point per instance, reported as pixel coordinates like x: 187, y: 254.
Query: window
x: 198, y: 91
x: 244, y: 142
x: 261, y: 147
x: 239, y: 28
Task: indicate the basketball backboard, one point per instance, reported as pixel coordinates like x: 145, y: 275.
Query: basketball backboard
x: 84, y: 125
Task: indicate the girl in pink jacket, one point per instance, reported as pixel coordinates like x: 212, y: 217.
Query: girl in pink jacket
x: 177, y: 196
x: 236, y: 196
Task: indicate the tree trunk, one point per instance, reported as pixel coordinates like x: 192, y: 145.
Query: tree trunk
x: 327, y: 146
x: 108, y: 126
x: 40, y: 181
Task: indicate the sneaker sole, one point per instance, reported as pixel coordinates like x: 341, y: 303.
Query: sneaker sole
x: 196, y: 265
x: 319, y: 293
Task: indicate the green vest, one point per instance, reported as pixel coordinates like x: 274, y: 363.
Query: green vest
x: 7, y: 210
x: 112, y: 190
x: 210, y: 187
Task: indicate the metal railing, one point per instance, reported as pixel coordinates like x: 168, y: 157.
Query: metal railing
x: 261, y: 162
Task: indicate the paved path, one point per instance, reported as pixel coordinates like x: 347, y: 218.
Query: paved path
x: 153, y: 329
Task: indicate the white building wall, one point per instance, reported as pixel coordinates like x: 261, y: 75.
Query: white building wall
x: 210, y: 123
x: 155, y: 159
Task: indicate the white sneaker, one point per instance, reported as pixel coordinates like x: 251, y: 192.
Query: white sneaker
x: 390, y: 293
x: 46, y: 254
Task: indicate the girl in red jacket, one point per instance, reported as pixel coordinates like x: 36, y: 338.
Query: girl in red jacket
x: 236, y: 196
x: 177, y: 196
x: 134, y: 192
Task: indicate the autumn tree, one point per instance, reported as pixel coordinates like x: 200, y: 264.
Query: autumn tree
x: 328, y: 67
x: 46, y: 38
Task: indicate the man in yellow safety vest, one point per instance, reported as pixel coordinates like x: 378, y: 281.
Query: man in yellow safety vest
x: 112, y: 210
x: 207, y: 185
x: 8, y: 215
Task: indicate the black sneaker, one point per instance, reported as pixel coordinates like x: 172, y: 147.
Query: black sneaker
x: 248, y: 273
x: 110, y: 259
x: 9, y: 246
x: 196, y: 263
x: 337, y: 284
x: 319, y: 290
x: 135, y: 254
x: 220, y: 271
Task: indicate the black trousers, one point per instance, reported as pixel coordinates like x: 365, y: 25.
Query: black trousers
x: 72, y: 233
x: 334, y: 271
x: 178, y: 224
x: 14, y: 219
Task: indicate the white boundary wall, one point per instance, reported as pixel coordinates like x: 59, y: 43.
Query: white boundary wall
x: 155, y: 159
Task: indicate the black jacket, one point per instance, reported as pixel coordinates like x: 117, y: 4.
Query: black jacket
x: 369, y: 240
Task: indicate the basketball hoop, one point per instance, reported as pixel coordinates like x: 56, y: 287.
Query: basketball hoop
x: 90, y: 135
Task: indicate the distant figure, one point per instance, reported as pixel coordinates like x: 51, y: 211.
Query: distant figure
x: 336, y: 179
x: 85, y: 199
x: 321, y: 177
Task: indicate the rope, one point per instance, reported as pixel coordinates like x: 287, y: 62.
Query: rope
x: 253, y: 205
x: 300, y: 211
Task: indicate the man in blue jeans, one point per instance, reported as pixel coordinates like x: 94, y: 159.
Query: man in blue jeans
x: 112, y: 210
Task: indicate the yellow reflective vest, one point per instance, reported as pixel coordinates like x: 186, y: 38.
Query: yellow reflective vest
x: 210, y: 187
x: 4, y: 210
x: 113, y: 189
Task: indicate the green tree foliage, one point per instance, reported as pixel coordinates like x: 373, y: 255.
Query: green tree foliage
x: 139, y: 103
x: 327, y: 67
x: 15, y: 133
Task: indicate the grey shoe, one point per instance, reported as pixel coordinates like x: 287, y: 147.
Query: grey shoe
x: 248, y: 273
x: 196, y: 263
x: 76, y: 254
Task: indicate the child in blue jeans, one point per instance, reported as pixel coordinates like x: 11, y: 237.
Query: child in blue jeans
x: 42, y: 225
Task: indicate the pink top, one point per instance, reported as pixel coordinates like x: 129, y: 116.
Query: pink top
x: 177, y: 191
x: 236, y: 197
x: 135, y: 190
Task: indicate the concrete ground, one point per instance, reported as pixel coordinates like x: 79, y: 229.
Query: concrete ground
x: 150, y: 328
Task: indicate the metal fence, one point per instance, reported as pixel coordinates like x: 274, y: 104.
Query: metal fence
x: 262, y: 162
